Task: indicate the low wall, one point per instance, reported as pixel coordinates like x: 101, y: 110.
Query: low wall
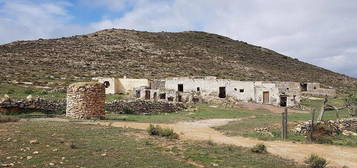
x: 59, y: 106
x: 26, y: 106
x: 143, y: 107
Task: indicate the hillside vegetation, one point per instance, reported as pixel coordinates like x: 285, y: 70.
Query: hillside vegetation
x: 136, y: 54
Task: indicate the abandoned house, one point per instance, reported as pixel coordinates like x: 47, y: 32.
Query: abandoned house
x: 195, y: 89
x: 122, y: 85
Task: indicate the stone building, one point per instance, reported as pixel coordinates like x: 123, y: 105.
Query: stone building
x: 122, y: 85
x: 193, y: 89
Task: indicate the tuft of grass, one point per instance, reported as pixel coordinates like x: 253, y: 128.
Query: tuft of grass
x: 259, y: 148
x: 315, y: 161
x: 7, y: 118
x: 164, y: 132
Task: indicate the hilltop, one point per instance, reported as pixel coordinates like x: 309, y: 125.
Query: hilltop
x: 137, y: 54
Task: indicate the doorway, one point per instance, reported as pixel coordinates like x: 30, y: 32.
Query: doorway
x: 265, y: 97
x: 222, y: 92
x: 180, y: 87
x: 283, y: 101
x: 147, y: 94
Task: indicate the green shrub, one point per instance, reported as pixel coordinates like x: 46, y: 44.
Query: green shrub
x: 315, y: 161
x: 11, y: 91
x: 6, y: 118
x: 164, y: 132
x: 259, y: 148
x: 28, y: 91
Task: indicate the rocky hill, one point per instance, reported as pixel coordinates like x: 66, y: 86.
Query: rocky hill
x: 136, y: 54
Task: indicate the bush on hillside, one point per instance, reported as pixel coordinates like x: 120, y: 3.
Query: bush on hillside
x: 315, y: 161
x: 164, y: 132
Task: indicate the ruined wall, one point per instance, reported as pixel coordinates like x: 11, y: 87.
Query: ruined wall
x: 126, y: 85
x: 314, y: 89
x: 85, y: 100
x: 143, y: 107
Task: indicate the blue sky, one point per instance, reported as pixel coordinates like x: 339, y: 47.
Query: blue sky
x: 321, y: 32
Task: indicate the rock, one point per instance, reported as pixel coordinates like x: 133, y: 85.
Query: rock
x: 55, y: 150
x: 349, y: 133
x: 51, y: 164
x: 29, y: 98
x: 29, y: 157
x: 36, y: 152
x: 103, y: 154
x: 8, y: 165
x: 35, y: 141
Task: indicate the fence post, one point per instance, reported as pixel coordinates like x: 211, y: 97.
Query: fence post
x: 284, y: 123
x: 312, y: 125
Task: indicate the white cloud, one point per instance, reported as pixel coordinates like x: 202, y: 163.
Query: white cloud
x: 21, y: 20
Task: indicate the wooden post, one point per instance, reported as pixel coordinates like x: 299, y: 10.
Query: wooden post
x: 284, y: 124
x: 312, y: 125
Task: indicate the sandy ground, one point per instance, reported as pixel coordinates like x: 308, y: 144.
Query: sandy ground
x: 201, y: 130
x: 271, y: 108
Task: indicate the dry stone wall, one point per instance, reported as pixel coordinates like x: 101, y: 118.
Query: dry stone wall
x: 85, y: 100
x: 8, y: 106
x: 143, y: 107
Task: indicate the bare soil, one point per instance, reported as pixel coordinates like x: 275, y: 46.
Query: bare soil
x: 201, y: 130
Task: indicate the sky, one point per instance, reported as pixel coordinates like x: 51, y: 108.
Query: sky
x: 320, y: 32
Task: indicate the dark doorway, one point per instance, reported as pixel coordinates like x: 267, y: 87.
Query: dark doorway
x: 155, y: 96
x: 147, y: 94
x: 265, y: 97
x: 137, y: 94
x: 179, y: 98
x: 180, y: 87
x: 283, y: 101
x: 198, y: 89
x: 222, y: 92
x: 163, y: 96
x: 303, y: 87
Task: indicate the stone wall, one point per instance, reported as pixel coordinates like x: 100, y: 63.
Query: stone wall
x: 17, y: 106
x: 85, y: 100
x: 143, y: 107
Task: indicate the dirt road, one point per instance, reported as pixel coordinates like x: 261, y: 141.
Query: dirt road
x: 201, y: 130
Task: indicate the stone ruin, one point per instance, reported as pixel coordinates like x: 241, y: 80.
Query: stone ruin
x: 85, y: 100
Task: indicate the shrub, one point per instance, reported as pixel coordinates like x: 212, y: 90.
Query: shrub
x: 315, y: 161
x: 11, y: 91
x: 28, y: 91
x: 6, y: 118
x: 259, y: 148
x: 164, y: 132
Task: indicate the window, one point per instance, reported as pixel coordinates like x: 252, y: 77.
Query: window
x: 315, y: 87
x: 241, y: 90
x: 198, y: 89
x: 235, y: 89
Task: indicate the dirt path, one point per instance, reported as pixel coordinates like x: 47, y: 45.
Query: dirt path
x: 271, y: 108
x: 201, y: 130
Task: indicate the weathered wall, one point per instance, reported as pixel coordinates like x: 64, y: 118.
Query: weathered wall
x: 113, y: 87
x: 143, y: 107
x: 210, y: 87
x: 261, y: 87
x: 85, y: 100
x: 126, y: 85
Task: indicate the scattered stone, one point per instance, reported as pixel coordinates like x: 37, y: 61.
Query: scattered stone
x: 29, y: 157
x: 8, y: 165
x: 51, y: 164
x: 35, y: 141
x: 36, y: 152
x: 263, y: 131
x: 348, y: 125
x: 55, y: 150
x: 104, y: 154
